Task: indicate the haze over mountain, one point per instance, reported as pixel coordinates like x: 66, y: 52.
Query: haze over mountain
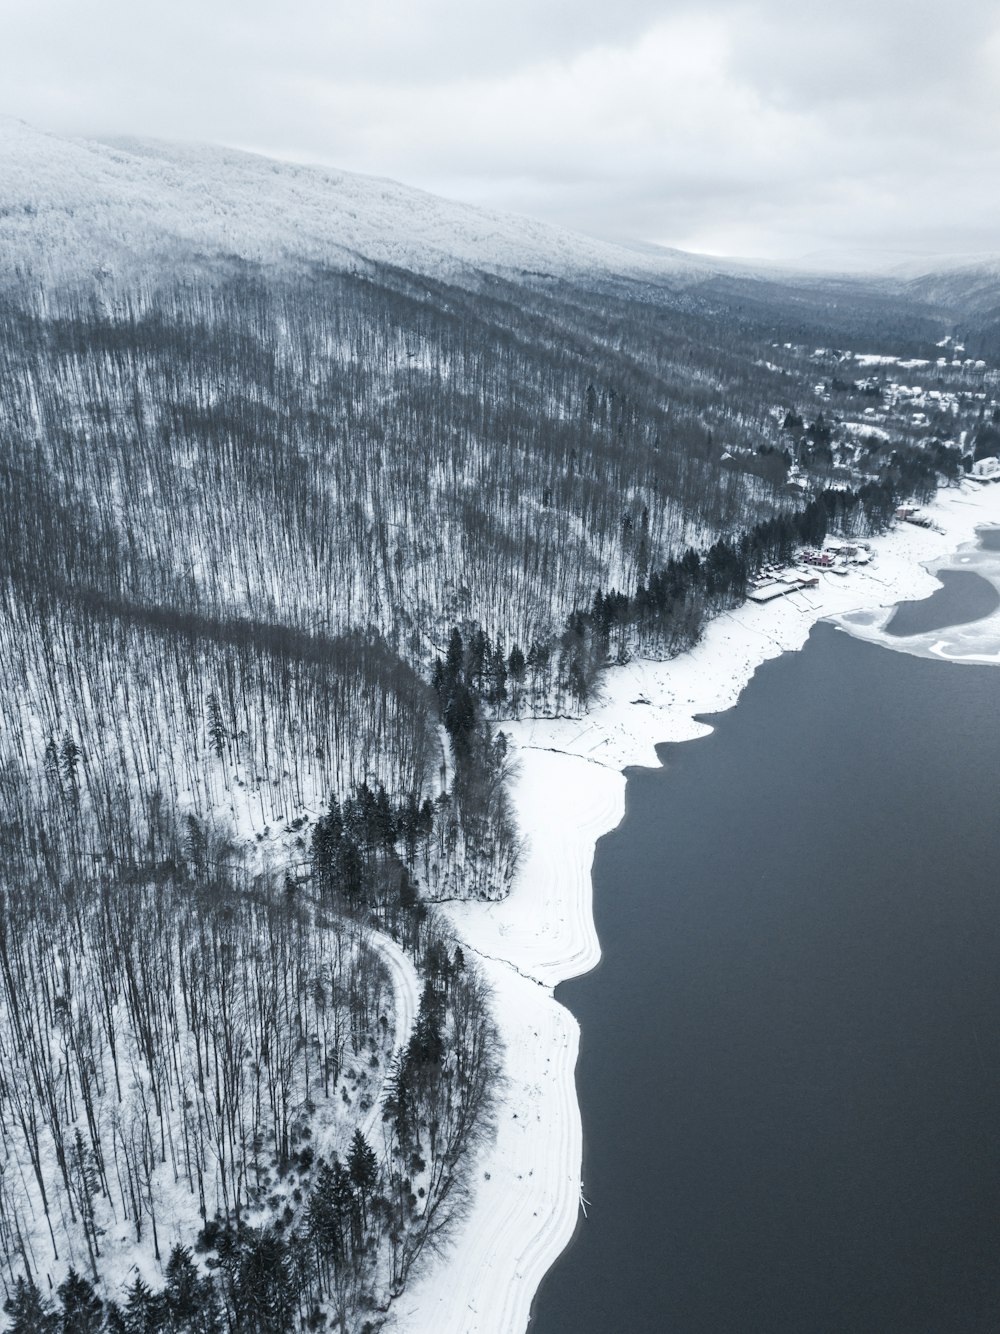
x: 66, y: 203
x: 74, y: 206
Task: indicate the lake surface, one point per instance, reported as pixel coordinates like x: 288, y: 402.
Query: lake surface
x: 963, y: 597
x: 790, y: 1060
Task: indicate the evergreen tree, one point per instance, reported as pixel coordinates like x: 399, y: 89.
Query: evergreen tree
x: 114, y: 1320
x: 264, y: 1298
x: 29, y: 1312
x: 516, y: 664
x: 197, y: 845
x: 362, y: 1166
x: 400, y: 1104
x: 144, y: 1311
x: 325, y: 1225
x: 351, y: 871
x: 216, y: 727
x: 190, y: 1301
x: 70, y: 756
x: 456, y: 656
x: 52, y: 770
x: 82, y: 1309
x: 426, y: 1046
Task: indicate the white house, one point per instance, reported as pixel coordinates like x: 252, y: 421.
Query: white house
x: 986, y: 470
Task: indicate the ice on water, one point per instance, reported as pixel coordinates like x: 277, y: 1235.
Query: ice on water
x: 976, y: 641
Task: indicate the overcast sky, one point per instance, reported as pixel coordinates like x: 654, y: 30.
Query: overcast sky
x: 754, y: 127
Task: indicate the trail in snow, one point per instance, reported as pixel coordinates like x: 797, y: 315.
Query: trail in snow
x: 405, y: 1002
x: 405, y: 983
x: 406, y: 997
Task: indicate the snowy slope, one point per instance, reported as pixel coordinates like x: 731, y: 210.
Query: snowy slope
x: 972, y: 288
x: 72, y: 207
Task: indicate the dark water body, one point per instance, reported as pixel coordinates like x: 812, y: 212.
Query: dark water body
x: 989, y: 539
x: 790, y: 1060
x: 963, y: 597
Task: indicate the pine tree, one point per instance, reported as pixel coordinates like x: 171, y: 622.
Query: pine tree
x: 456, y: 656
x: 325, y: 1225
x: 114, y: 1321
x: 426, y: 1046
x: 145, y: 1310
x: 191, y: 1301
x: 217, y: 733
x: 323, y: 850
x: 197, y: 845
x: 52, y: 771
x: 70, y: 756
x: 82, y: 1309
x: 264, y: 1297
x: 363, y: 1168
x: 516, y: 664
x: 399, y: 1105
x: 29, y: 1312
x: 347, y: 1205
x: 351, y: 870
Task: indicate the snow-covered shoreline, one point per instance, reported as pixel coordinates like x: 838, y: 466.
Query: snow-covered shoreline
x: 570, y: 790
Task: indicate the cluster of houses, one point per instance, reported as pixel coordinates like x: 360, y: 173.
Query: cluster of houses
x: 779, y: 586
x: 835, y: 558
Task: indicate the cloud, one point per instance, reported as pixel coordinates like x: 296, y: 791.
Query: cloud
x: 754, y: 126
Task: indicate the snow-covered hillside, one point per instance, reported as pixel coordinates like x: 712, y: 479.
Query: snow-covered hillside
x: 974, y: 288
x: 70, y: 207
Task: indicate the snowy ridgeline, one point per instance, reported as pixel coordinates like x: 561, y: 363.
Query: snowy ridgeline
x: 70, y: 207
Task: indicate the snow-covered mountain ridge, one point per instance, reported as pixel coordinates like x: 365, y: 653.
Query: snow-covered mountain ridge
x: 69, y: 207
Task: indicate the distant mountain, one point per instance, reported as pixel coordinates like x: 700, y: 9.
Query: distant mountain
x: 69, y: 206
x: 863, y: 262
x: 973, y: 288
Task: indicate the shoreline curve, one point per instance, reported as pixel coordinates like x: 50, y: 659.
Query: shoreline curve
x: 569, y: 792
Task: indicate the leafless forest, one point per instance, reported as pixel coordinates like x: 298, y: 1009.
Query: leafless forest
x: 281, y: 552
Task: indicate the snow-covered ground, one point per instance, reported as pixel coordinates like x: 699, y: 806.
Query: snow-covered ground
x: 406, y: 1002
x: 75, y: 207
x: 569, y: 792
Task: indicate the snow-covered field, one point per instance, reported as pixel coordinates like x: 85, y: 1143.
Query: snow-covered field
x: 569, y: 792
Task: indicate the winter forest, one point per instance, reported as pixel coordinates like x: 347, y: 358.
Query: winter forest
x: 282, y: 548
